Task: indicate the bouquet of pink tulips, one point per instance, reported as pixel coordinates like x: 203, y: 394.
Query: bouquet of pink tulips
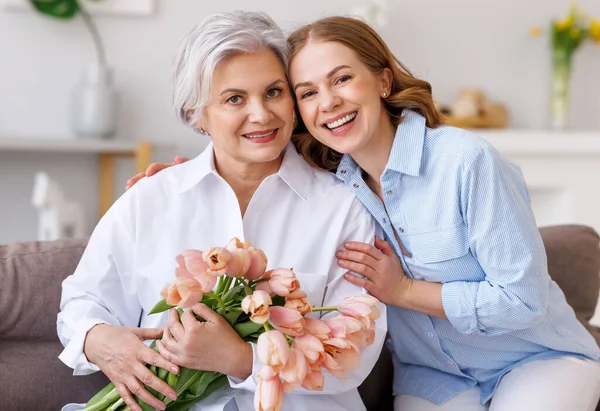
x: 264, y: 307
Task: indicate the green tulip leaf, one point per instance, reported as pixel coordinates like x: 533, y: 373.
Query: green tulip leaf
x: 62, y: 9
x: 247, y: 328
x: 160, y: 307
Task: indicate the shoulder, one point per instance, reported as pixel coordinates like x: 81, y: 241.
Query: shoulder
x: 463, y: 145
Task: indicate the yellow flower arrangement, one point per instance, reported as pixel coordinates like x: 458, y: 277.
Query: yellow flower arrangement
x: 566, y: 36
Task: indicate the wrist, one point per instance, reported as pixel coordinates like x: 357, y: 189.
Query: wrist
x: 242, y: 362
x: 90, y: 340
x: 403, y: 296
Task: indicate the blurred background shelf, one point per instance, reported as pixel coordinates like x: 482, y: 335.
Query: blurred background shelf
x: 107, y: 150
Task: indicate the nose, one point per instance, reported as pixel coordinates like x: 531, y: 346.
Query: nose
x: 329, y: 100
x: 259, y: 112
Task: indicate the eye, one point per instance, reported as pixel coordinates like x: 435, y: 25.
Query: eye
x: 307, y: 94
x: 235, y: 100
x: 274, y: 92
x: 343, y: 79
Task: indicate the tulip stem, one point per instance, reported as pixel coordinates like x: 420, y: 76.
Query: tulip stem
x: 211, y: 295
x: 315, y: 309
x: 267, y: 328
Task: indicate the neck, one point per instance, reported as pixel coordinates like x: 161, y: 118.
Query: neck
x: 373, y: 157
x: 243, y: 177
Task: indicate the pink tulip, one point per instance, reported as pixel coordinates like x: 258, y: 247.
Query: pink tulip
x: 258, y: 264
x: 283, y: 281
x: 273, y: 349
x: 286, y: 320
x: 184, y: 292
x: 240, y: 259
x: 359, y: 306
x: 264, y: 286
x: 310, y: 346
x: 343, y: 353
x: 192, y: 261
x: 257, y: 304
x: 317, y: 328
x: 269, y: 394
x: 206, y: 280
x: 217, y: 259
x: 314, y: 380
x: 294, y: 371
x: 351, y: 329
x: 297, y: 301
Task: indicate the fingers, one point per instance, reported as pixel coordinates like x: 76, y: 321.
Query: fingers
x: 175, y: 326
x: 364, y: 248
x: 147, y: 333
x: 358, y: 268
x: 360, y: 282
x: 155, y: 168
x: 151, y: 380
x: 149, y: 356
x: 180, y: 160
x: 164, y: 351
x: 131, y: 182
x: 204, y: 312
x: 125, y: 394
x: 357, y: 257
x: 136, y: 388
x: 384, y: 246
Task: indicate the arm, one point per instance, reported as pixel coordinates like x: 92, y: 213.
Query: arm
x: 507, y: 244
x: 360, y: 227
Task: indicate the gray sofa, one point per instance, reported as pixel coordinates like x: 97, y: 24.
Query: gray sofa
x: 33, y: 379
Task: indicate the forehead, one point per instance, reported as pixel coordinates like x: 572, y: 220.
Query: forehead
x: 328, y: 54
x: 247, y: 70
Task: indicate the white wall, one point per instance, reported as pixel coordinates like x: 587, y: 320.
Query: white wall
x: 452, y: 44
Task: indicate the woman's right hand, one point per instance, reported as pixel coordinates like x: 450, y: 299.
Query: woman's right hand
x: 122, y: 356
x: 153, y: 169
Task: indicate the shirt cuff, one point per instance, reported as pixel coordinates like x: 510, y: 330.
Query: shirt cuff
x: 459, y: 300
x: 73, y: 355
x: 249, y: 383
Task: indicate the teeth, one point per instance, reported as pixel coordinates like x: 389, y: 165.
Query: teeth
x: 341, y: 121
x: 260, y: 135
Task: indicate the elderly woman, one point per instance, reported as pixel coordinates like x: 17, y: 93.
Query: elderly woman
x: 230, y: 84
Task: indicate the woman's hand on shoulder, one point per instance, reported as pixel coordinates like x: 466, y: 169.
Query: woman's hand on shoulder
x: 122, y: 356
x: 153, y: 169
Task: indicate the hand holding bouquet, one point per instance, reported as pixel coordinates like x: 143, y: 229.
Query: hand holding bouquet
x: 268, y: 308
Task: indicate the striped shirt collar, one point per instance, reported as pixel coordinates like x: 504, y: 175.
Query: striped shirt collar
x: 407, y: 149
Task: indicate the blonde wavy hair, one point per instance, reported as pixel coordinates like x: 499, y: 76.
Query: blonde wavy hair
x: 407, y: 92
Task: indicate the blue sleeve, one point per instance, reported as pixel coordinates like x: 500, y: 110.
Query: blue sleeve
x: 504, y: 238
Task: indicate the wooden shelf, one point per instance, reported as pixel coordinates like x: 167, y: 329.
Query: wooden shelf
x: 542, y: 142
x: 107, y: 151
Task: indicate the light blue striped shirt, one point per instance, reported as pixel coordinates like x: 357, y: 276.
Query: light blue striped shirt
x: 463, y: 214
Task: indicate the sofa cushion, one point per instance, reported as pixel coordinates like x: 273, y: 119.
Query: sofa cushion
x: 574, y: 263
x: 31, y: 275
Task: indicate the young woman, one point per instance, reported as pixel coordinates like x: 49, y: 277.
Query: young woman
x: 475, y: 321
x: 230, y: 82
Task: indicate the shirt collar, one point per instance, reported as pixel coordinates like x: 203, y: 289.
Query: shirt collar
x: 294, y: 171
x: 407, y: 148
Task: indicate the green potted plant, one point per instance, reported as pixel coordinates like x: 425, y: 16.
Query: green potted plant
x: 94, y: 98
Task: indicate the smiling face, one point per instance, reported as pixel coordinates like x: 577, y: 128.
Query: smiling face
x: 339, y: 98
x: 250, y: 113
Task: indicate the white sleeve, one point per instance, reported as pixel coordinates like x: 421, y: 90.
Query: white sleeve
x: 100, y: 289
x: 360, y: 227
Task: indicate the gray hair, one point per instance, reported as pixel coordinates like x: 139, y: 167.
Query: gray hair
x: 219, y: 36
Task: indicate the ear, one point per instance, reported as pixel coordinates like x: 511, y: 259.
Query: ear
x: 386, y: 81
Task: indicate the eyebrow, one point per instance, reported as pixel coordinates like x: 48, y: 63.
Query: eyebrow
x: 240, y: 91
x: 328, y: 75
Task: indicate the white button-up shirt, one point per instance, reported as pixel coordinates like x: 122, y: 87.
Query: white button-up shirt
x: 299, y: 216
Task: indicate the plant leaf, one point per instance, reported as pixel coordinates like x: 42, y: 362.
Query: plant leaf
x: 62, y: 9
x: 232, y: 316
x: 100, y: 394
x: 246, y: 328
x: 160, y: 307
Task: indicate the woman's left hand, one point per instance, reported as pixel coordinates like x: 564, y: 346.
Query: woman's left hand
x: 212, y: 345
x: 385, y: 278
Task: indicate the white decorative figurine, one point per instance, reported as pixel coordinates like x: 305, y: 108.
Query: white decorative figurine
x: 58, y: 216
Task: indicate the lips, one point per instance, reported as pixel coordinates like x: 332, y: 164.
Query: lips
x: 260, y: 133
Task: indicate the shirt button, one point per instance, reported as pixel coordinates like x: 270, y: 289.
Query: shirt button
x: 401, y: 229
x: 389, y: 191
x: 343, y: 171
x: 430, y: 334
x: 355, y: 185
x: 384, y: 220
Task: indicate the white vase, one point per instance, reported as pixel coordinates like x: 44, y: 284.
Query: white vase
x: 94, y: 103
